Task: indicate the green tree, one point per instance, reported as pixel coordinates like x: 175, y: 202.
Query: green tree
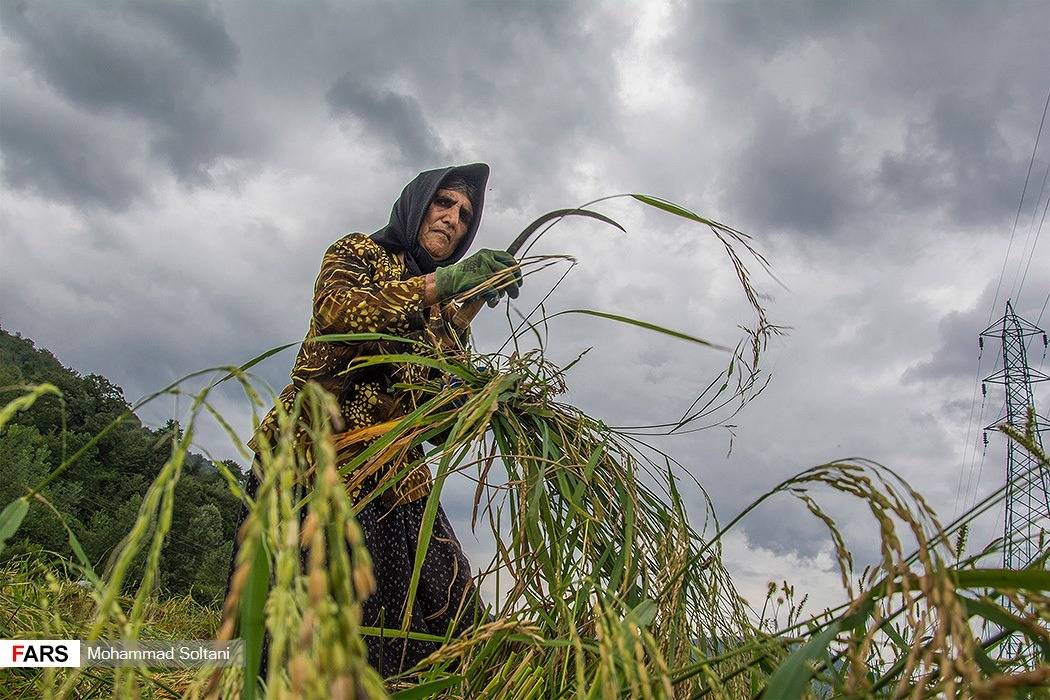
x: 99, y: 495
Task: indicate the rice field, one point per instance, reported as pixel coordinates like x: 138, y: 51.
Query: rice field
x: 607, y: 589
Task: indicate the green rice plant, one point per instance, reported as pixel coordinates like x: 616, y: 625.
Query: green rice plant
x: 605, y: 587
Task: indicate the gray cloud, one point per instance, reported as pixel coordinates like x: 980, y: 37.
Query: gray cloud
x: 907, y: 106
x: 142, y: 60
x: 396, y: 118
x: 959, y: 156
x: 197, y: 30
x: 955, y: 357
x: 795, y: 173
x: 157, y: 62
x: 62, y: 156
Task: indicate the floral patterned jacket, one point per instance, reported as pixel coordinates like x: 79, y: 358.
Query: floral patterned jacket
x: 363, y: 288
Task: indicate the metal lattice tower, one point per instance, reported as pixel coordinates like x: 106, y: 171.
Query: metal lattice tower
x: 1026, y: 529
x: 1027, y: 522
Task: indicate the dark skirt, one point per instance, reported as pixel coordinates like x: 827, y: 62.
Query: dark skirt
x: 446, y: 597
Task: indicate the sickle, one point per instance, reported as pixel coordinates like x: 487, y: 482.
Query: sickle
x: 468, y: 311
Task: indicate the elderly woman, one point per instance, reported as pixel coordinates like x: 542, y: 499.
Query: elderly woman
x: 397, y: 281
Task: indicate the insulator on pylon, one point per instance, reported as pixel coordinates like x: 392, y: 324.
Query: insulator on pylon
x: 986, y: 438
x: 980, y: 343
x: 1044, y: 340
x: 984, y: 389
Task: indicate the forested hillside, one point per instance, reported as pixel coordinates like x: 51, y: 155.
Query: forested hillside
x: 99, y: 495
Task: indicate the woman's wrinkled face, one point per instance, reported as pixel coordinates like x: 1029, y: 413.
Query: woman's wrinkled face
x: 445, y: 223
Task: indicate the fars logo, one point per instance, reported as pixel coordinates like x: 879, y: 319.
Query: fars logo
x: 39, y: 652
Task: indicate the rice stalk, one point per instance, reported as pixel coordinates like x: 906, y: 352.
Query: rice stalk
x: 606, y: 588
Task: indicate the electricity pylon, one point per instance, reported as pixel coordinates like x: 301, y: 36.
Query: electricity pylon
x: 1026, y: 528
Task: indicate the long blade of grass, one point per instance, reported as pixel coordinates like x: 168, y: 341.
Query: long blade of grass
x: 792, y: 677
x: 23, y: 402
x: 253, y: 617
x: 11, y: 519
x: 554, y: 217
x: 1029, y: 579
x: 642, y: 324
x: 1000, y: 617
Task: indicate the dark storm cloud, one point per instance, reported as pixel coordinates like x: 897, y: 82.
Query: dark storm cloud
x: 535, y: 78
x: 783, y: 525
x: 191, y: 325
x: 120, y: 56
x: 196, y: 29
x: 795, y: 173
x: 965, y: 108
x: 397, y: 119
x: 957, y: 155
x: 151, y: 61
x: 62, y: 157
x: 956, y: 355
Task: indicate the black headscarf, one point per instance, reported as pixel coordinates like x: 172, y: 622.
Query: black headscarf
x: 402, y: 233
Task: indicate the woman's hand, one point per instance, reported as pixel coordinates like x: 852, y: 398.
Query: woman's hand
x: 451, y: 281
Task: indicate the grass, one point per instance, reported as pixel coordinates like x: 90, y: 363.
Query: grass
x: 607, y: 589
x: 48, y: 601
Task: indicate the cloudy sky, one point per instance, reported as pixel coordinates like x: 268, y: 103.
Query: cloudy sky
x: 172, y: 173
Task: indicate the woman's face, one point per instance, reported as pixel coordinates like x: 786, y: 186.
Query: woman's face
x: 445, y: 223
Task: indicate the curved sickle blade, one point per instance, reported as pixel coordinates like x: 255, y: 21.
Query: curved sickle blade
x: 524, y: 236
x: 468, y: 311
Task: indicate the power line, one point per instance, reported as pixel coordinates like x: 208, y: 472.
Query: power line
x: 1042, y: 220
x: 970, y: 493
x: 980, y: 466
x: 1042, y: 310
x: 1017, y: 216
x: 1017, y: 296
x: 969, y: 427
x: 1043, y: 358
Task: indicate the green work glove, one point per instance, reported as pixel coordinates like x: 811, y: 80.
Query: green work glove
x: 474, y: 270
